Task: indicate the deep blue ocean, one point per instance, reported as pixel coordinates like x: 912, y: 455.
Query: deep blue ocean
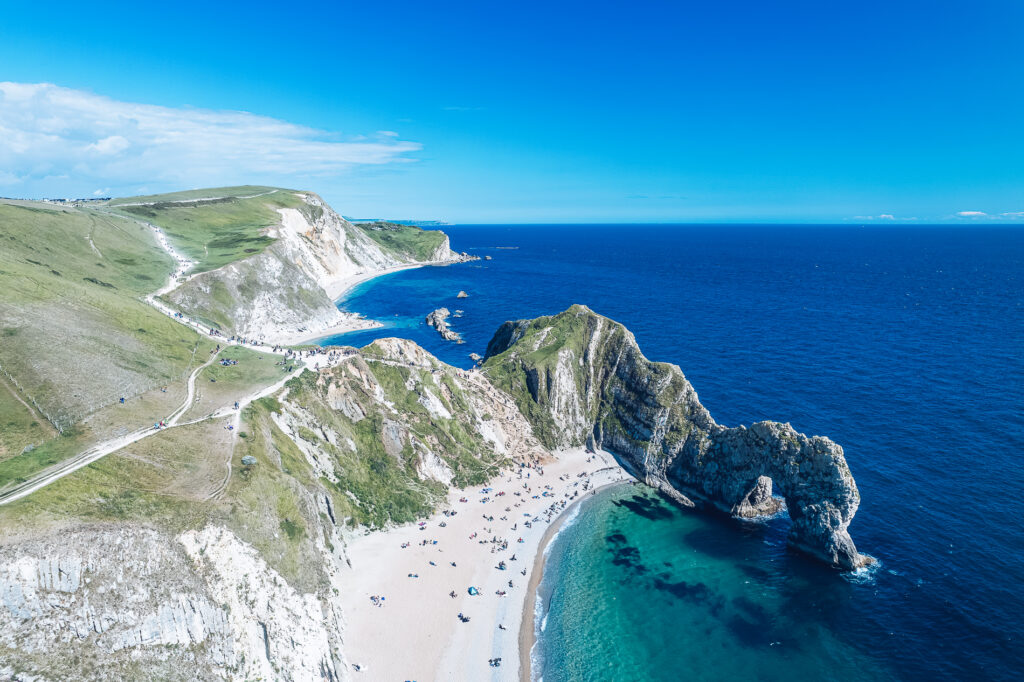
x: 903, y: 344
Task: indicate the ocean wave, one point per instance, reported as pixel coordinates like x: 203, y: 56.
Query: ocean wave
x: 865, y: 575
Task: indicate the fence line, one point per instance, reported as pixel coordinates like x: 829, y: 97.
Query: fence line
x: 67, y: 419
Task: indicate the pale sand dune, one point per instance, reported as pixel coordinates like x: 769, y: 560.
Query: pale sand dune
x: 417, y: 634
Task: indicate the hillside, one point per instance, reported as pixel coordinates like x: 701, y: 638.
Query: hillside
x: 76, y: 334
x: 267, y: 263
x: 228, y: 569
x: 81, y: 328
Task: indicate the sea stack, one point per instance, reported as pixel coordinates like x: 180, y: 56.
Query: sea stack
x: 439, y: 321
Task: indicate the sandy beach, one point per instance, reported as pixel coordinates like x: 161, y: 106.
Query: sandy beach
x: 402, y: 622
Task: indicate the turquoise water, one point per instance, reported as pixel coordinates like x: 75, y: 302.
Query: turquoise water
x: 905, y: 345
x: 637, y: 589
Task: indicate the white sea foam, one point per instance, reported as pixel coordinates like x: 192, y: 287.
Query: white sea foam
x: 865, y: 575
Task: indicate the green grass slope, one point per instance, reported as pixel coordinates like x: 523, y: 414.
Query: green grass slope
x: 214, y: 227
x: 404, y: 240
x: 76, y: 335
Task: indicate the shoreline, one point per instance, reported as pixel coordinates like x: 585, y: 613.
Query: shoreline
x: 354, y: 322
x: 413, y: 570
x: 527, y: 628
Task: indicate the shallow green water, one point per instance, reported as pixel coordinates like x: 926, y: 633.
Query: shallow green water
x: 636, y: 588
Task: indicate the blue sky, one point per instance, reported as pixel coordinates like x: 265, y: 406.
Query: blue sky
x: 529, y: 111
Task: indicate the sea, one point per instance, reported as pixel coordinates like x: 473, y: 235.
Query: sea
x: 904, y: 344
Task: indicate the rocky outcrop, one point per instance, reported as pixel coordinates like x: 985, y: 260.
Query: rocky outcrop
x: 120, y: 598
x: 439, y: 321
x: 580, y: 378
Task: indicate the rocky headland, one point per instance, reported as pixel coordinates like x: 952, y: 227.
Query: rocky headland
x: 580, y: 378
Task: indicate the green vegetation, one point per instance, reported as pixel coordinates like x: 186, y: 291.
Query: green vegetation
x: 76, y: 335
x: 162, y: 480
x: 270, y: 501
x: 375, y: 458
x: 405, y: 240
x: 218, y: 385
x: 194, y: 194
x: 218, y: 227
x: 523, y: 372
x: 20, y: 425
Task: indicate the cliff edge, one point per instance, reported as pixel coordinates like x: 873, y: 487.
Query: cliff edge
x: 580, y: 378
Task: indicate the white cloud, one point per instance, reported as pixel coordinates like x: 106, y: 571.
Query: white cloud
x: 101, y: 192
x: 110, y: 145
x: 1013, y: 215
x: 971, y: 214
x: 882, y: 216
x: 54, y: 139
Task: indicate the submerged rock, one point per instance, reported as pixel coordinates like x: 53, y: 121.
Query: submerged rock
x: 439, y: 321
x: 462, y: 294
x: 581, y: 379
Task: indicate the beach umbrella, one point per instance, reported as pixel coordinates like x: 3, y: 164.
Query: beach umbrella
x: 473, y: 591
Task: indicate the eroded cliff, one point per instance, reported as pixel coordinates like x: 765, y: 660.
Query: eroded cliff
x: 581, y: 378
x: 289, y: 286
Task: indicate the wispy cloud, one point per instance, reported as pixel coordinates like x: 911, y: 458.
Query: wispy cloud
x: 882, y: 216
x: 971, y: 214
x: 51, y: 135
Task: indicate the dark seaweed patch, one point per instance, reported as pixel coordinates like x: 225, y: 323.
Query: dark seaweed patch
x: 645, y: 507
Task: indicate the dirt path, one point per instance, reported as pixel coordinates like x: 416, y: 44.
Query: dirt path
x: 87, y: 457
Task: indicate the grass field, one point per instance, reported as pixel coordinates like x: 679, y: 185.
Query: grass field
x: 76, y: 334
x: 162, y: 480
x: 253, y: 371
x: 223, y: 228
x: 20, y: 425
x: 406, y: 240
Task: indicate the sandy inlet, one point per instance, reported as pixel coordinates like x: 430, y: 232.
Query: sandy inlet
x: 416, y: 633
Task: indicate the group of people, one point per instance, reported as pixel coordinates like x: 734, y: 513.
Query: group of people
x: 489, y: 532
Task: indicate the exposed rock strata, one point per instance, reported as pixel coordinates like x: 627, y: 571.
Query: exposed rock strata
x: 116, y: 599
x: 581, y: 378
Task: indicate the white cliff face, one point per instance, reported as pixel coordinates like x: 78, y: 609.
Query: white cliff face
x: 289, y: 288
x: 122, y: 598
x: 601, y: 390
x: 294, y: 632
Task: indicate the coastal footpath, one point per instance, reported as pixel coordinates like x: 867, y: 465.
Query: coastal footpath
x: 298, y: 502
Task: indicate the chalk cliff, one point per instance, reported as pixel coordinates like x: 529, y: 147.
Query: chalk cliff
x: 581, y: 378
x: 290, y: 286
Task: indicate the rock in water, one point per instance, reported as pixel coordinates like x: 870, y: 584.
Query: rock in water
x: 439, y: 321
x: 462, y: 294
x: 580, y: 378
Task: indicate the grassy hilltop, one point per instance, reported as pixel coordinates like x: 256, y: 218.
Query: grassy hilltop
x: 214, y: 227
